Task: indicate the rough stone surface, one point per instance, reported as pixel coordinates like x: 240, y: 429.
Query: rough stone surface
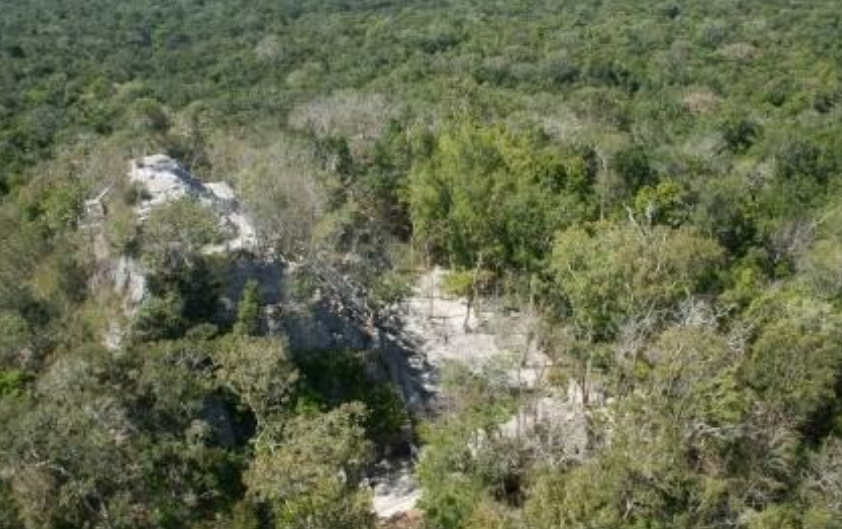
x: 320, y: 325
x: 433, y: 328
x: 164, y: 180
x: 395, y: 491
x: 551, y: 425
x: 426, y: 332
x: 129, y: 280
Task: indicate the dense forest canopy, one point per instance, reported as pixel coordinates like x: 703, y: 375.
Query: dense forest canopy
x: 634, y: 66
x: 657, y: 183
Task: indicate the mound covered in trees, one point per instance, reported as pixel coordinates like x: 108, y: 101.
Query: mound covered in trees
x: 653, y: 185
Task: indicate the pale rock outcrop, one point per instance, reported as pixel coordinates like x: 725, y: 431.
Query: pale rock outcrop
x: 428, y: 332
x: 435, y: 321
x: 129, y: 280
x: 396, y: 491
x: 164, y: 180
x: 552, y: 427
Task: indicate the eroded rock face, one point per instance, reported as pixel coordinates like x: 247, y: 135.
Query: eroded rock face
x: 427, y: 332
x: 551, y: 426
x: 396, y: 491
x: 320, y: 325
x: 164, y: 180
x: 130, y: 280
x: 433, y: 326
x: 424, y: 334
x: 316, y: 324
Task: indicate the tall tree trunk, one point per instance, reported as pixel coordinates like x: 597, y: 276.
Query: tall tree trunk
x: 472, y: 293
